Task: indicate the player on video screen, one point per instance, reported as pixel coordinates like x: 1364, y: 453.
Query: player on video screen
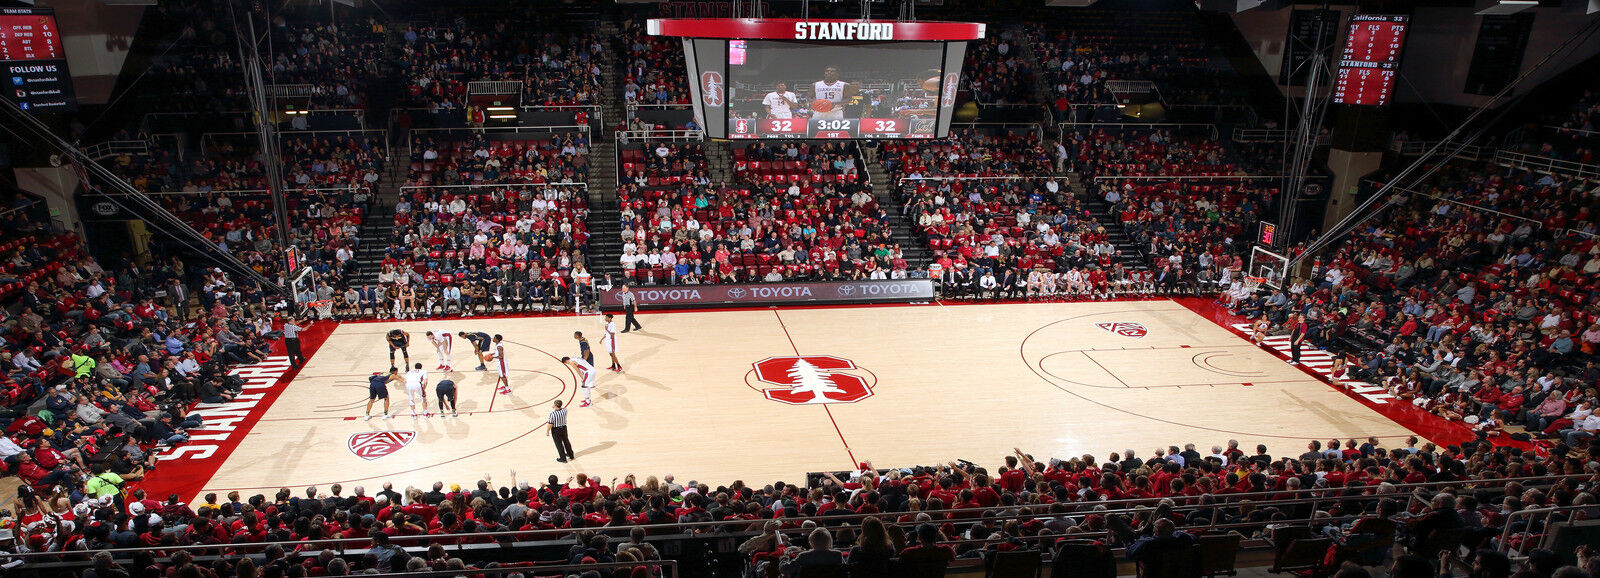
x: 833, y: 90
x: 780, y: 102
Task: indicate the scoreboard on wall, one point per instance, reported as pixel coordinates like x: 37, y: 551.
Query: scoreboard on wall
x: 35, y: 66
x: 822, y: 128
x: 1371, y: 59
x: 822, y: 79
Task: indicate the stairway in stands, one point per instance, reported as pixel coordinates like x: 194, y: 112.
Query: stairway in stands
x: 1041, y: 90
x: 605, y: 233
x: 1133, y: 256
x: 911, y: 246
x: 377, y: 229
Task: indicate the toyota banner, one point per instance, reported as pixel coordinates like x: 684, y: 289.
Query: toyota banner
x: 810, y: 293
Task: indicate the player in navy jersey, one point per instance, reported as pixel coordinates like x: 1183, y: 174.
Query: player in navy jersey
x: 480, y: 345
x: 378, y: 388
x: 445, y: 391
x: 583, y: 347
x: 399, y: 340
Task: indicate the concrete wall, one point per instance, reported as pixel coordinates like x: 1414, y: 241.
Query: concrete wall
x: 96, y: 38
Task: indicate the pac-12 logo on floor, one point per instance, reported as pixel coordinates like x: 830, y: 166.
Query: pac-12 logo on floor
x: 1125, y: 328
x: 812, y: 379
x: 376, y: 444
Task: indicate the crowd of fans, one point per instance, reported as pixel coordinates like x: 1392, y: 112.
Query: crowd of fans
x: 1191, y: 228
x: 557, y: 63
x: 869, y: 519
x: 329, y: 186
x: 101, y: 366
x: 798, y: 211
x: 654, y: 72
x: 997, y: 72
x: 1473, y: 299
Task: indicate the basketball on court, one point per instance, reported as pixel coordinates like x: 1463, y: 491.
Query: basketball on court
x: 931, y: 84
x: 821, y: 105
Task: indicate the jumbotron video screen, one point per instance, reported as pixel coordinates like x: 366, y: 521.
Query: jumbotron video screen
x: 822, y: 79
x: 833, y: 91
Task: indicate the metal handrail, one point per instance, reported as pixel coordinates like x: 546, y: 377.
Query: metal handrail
x: 1409, y: 191
x: 1414, y: 148
x: 383, y: 136
x: 1189, y: 177
x: 247, y: 191
x: 494, y: 87
x: 1505, y: 533
x: 628, y: 136
x: 507, y: 129
x: 584, y: 186
x: 1541, y: 164
x: 1133, y: 505
x: 111, y: 148
x: 1004, y: 178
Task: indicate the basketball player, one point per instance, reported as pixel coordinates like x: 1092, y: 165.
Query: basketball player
x: 444, y: 392
x: 780, y: 102
x: 416, y: 380
x: 378, y: 388
x: 833, y: 90
x: 480, y: 346
x: 583, y: 347
x: 441, y: 345
x: 399, y: 340
x: 497, y: 353
x: 610, y: 341
x: 587, y: 373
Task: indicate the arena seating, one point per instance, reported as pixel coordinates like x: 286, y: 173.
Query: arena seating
x: 655, y: 72
x: 800, y: 211
x: 102, y: 364
x: 558, y: 64
x: 1485, y: 318
x: 1475, y: 299
x: 886, y: 522
x: 508, y: 158
x: 998, y: 72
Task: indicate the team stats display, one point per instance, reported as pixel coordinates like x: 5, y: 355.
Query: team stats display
x: 35, y: 65
x: 1370, y: 59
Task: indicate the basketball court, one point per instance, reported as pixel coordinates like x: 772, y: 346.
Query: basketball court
x: 770, y: 394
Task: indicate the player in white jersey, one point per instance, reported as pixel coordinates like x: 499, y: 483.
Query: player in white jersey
x: 497, y: 357
x: 833, y: 90
x: 610, y: 342
x: 442, y: 340
x: 780, y: 102
x: 416, y: 388
x: 586, y: 373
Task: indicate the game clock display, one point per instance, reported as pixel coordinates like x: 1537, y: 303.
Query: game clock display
x: 837, y: 128
x: 1370, y: 59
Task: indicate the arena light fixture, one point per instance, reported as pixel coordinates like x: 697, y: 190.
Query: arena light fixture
x: 499, y: 108
x: 502, y: 116
x: 1503, y: 6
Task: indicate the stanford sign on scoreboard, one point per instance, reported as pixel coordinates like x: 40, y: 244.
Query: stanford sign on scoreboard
x: 803, y: 293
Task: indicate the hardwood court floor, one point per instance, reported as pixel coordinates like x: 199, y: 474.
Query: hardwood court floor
x: 968, y: 382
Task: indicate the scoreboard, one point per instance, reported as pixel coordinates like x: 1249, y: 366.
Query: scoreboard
x: 837, y: 128
x: 1371, y: 59
x: 35, y: 66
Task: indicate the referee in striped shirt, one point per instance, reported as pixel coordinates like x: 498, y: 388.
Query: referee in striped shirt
x: 558, y: 431
x: 291, y: 342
